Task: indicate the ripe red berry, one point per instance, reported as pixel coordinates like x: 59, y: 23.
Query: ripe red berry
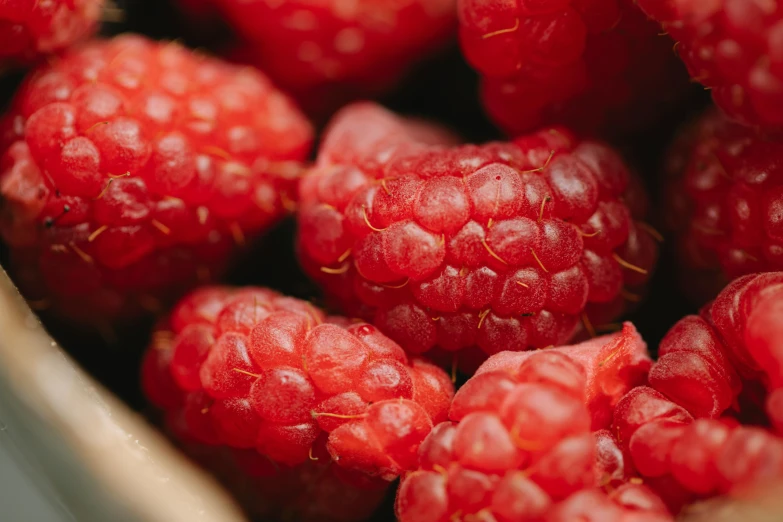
x: 248, y: 368
x: 328, y: 52
x: 732, y: 48
x: 613, y: 364
x: 505, y: 246
x: 725, y: 198
x: 681, y: 457
x: 516, y: 444
x: 519, y: 439
x: 519, y: 446
x: 590, y: 64
x: 30, y: 29
x: 132, y: 169
x: 705, y: 362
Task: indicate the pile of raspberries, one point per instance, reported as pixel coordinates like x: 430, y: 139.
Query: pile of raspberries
x: 470, y: 350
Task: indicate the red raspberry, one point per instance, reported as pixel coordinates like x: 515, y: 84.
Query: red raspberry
x: 683, y: 457
x: 610, y: 468
x: 591, y: 64
x: 704, y: 362
x: 30, y: 29
x: 725, y: 193
x: 249, y: 368
x: 518, y: 443
x: 131, y: 169
x: 330, y: 51
x: 613, y: 365
x: 503, y: 246
x: 733, y: 48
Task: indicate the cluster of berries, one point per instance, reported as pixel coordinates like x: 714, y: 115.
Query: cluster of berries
x: 133, y: 171
x: 513, y: 245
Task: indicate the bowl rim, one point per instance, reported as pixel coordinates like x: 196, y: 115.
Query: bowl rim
x: 101, y: 460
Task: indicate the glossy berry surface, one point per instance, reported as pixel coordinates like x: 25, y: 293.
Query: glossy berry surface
x: 682, y: 433
x: 471, y: 249
x: 725, y: 198
x: 327, y: 52
x: 733, y: 48
x: 705, y: 361
x: 595, y: 65
x: 30, y: 29
x: 133, y: 169
x: 628, y: 503
x: 251, y: 369
x: 514, y: 446
x: 613, y: 364
x: 519, y: 446
x: 683, y: 458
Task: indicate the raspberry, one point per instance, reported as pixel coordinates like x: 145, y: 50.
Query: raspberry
x: 725, y: 193
x: 518, y: 442
x: 732, y: 47
x: 708, y: 366
x: 596, y: 65
x: 327, y: 52
x: 613, y: 364
x: 705, y: 362
x: 503, y: 246
x: 701, y: 457
x: 251, y: 369
x: 30, y: 29
x: 131, y: 169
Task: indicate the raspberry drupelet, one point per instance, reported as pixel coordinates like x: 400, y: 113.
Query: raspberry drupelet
x: 595, y: 65
x: 250, y: 369
x: 627, y: 503
x: 733, y: 48
x: 133, y: 169
x: 327, y: 52
x: 30, y: 29
x: 725, y: 198
x: 519, y: 446
x: 471, y: 249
